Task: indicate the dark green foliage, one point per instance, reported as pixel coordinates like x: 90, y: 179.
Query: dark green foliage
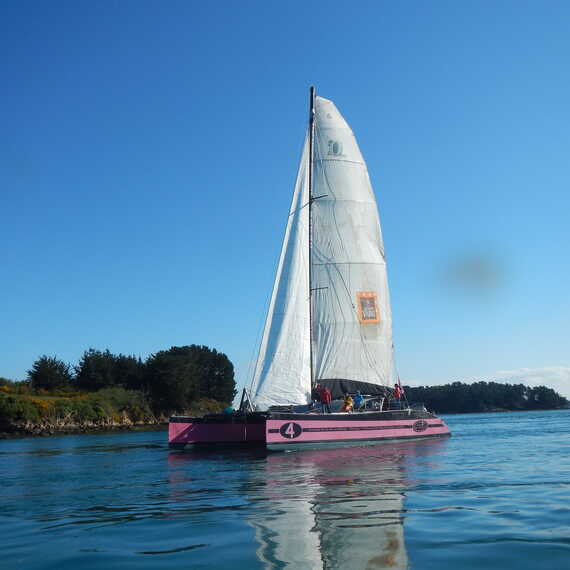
x: 98, y: 370
x: 183, y: 374
x: 14, y: 409
x: 118, y: 388
x: 49, y: 373
x: 485, y: 396
x: 171, y: 377
x: 130, y: 372
x: 215, y: 372
x: 543, y: 398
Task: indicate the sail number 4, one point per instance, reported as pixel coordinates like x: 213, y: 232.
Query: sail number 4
x: 290, y: 430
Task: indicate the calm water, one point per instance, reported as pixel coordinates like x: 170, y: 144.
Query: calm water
x: 495, y: 495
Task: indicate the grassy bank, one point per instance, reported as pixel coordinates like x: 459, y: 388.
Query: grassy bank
x: 53, y: 412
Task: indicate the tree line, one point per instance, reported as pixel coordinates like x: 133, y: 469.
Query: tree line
x: 459, y: 397
x: 170, y: 379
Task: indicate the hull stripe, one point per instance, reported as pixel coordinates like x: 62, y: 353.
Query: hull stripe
x: 295, y: 442
x: 358, y: 428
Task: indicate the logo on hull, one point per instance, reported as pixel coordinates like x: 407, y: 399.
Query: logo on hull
x: 420, y: 425
x: 290, y: 430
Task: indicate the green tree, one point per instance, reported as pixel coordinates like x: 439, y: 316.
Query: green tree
x: 129, y: 372
x: 49, y: 373
x: 96, y: 370
x: 543, y: 398
x: 183, y: 374
x: 102, y: 369
x: 171, y: 377
x: 215, y: 373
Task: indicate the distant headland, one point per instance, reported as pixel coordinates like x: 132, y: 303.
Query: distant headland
x: 478, y: 397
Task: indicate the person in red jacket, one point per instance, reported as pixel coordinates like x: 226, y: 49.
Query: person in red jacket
x: 326, y: 399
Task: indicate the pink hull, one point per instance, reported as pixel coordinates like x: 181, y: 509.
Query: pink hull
x: 182, y: 433
x: 285, y: 433
x: 297, y: 432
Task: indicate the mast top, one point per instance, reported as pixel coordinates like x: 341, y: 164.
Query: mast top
x: 312, y: 94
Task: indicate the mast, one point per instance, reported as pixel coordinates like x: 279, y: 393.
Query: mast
x: 311, y: 153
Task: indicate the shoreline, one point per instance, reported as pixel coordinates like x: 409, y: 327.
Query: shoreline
x: 501, y: 411
x: 49, y: 431
x: 42, y: 430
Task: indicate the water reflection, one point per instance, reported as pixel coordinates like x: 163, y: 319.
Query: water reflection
x: 335, y: 508
x: 322, y: 509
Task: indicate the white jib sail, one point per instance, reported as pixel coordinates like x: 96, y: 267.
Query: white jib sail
x: 282, y: 373
x: 352, y: 320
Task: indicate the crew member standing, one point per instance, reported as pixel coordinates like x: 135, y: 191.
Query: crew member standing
x: 327, y: 399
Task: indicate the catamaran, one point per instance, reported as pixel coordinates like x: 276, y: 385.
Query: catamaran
x: 329, y: 323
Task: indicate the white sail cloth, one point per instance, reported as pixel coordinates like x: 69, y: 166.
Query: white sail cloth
x: 352, y: 321
x: 348, y: 260
x: 282, y: 372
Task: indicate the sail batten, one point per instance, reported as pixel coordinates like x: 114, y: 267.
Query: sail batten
x: 351, y: 314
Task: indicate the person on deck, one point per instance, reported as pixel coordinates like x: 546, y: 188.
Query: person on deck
x: 315, y: 396
x: 326, y: 398
x: 321, y: 390
x: 358, y: 400
x: 348, y: 403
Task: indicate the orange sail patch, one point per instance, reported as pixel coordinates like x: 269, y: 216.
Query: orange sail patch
x: 367, y: 302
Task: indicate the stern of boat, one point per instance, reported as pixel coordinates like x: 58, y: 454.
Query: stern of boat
x: 216, y: 429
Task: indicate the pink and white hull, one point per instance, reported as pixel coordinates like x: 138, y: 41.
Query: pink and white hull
x: 335, y: 429
x: 287, y: 430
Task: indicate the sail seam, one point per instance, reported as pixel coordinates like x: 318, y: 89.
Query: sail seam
x: 340, y: 160
x: 352, y: 263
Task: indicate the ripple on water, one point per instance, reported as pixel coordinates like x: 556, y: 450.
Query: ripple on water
x: 493, y: 496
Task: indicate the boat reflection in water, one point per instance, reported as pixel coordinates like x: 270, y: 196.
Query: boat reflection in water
x: 337, y: 508
x: 311, y: 509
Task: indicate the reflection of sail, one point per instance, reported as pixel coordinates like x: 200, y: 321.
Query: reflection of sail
x: 335, y: 508
x: 360, y: 517
x: 287, y: 536
x: 314, y: 509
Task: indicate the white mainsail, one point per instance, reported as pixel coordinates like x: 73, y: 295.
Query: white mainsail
x: 352, y: 321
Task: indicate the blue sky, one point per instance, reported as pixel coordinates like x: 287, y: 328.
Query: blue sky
x: 149, y: 150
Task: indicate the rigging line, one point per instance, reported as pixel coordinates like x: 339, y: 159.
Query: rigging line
x: 296, y: 211
x: 397, y: 375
